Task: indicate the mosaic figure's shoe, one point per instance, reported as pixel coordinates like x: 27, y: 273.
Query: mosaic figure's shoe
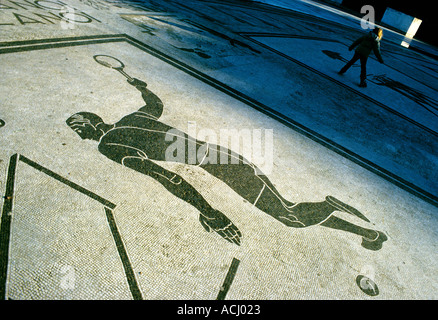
x: 375, y: 244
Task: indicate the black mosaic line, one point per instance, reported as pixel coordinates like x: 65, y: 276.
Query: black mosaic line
x: 129, y: 272
x: 228, y: 279
x: 73, y: 185
x: 57, y: 45
x: 5, y: 226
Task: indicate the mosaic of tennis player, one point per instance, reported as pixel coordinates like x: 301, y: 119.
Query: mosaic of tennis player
x: 138, y: 141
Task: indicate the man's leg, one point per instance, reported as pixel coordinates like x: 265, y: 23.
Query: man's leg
x: 363, y: 70
x: 241, y: 178
x: 349, y: 63
x: 258, y: 190
x: 371, y: 239
x: 240, y: 175
x: 337, y: 223
x: 248, y: 181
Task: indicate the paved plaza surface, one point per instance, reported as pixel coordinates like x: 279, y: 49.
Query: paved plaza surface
x: 333, y: 192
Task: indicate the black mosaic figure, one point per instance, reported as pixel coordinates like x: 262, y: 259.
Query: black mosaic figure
x: 138, y: 141
x: 366, y: 44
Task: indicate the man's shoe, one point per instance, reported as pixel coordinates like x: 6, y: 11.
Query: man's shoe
x: 363, y: 84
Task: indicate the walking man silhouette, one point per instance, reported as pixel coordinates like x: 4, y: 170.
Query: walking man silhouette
x: 366, y: 44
